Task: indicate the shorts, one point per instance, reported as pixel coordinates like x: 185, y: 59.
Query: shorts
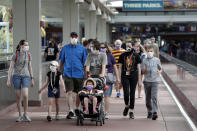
x: 21, y: 81
x: 52, y: 95
x: 73, y: 84
x: 109, y: 91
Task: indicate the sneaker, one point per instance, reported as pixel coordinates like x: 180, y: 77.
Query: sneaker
x: 77, y: 112
x: 106, y: 116
x: 19, y: 119
x: 70, y: 115
x: 57, y: 117
x: 86, y: 112
x: 118, y: 95
x: 131, y: 115
x: 125, y: 112
x: 149, y: 116
x: 26, y: 118
x: 155, y: 116
x: 49, y: 118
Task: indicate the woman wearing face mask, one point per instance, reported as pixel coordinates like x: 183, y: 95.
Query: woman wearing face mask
x: 22, y: 77
x: 53, y: 80
x: 111, y: 69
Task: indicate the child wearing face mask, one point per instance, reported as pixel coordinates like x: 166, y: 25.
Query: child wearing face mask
x: 86, y: 95
x: 52, y: 81
x: 151, y: 68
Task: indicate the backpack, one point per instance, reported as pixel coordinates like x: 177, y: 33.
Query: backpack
x: 29, y: 56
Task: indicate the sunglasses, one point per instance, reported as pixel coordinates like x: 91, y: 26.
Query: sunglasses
x: 103, y: 47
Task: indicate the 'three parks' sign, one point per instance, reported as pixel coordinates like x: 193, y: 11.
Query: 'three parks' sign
x: 145, y: 5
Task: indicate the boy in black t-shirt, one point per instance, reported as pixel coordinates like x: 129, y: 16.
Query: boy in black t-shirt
x: 130, y: 75
x: 52, y: 81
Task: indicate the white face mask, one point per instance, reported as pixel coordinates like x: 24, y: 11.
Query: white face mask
x: 74, y: 41
x: 26, y: 48
x: 53, y: 68
x: 150, y: 54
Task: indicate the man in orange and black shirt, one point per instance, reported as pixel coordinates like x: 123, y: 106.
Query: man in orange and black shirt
x: 117, y: 52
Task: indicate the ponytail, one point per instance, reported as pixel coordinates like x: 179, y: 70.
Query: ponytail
x: 20, y: 43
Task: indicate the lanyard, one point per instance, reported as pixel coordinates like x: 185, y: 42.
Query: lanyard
x: 53, y: 79
x: 24, y: 60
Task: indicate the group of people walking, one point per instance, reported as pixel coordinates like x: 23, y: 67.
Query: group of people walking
x: 120, y: 68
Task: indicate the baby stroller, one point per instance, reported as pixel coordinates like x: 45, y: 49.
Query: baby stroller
x: 99, y: 84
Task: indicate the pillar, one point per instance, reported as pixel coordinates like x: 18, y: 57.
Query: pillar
x: 70, y: 19
x: 90, y: 25
x: 26, y: 25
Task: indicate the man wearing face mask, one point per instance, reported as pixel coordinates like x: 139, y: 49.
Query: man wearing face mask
x: 73, y: 57
x: 117, y: 52
x: 151, y: 68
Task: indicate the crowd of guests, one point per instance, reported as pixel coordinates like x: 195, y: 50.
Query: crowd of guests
x: 134, y: 66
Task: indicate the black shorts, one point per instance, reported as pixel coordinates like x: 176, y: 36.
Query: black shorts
x: 73, y: 84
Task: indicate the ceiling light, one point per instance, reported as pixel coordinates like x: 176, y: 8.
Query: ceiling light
x: 98, y: 11
x: 79, y: 1
x: 92, y: 6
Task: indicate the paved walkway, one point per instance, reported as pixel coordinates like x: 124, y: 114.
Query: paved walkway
x: 170, y: 118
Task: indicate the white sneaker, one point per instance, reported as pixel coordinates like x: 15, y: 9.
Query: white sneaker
x: 26, y: 118
x: 106, y: 116
x: 19, y: 119
x: 57, y: 117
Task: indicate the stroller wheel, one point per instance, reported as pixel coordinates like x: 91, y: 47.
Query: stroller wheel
x: 81, y: 122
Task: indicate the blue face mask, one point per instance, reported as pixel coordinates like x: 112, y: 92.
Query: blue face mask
x: 117, y: 45
x: 89, y: 87
x: 102, y: 50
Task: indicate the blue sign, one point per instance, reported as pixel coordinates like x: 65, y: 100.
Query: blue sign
x: 143, y: 5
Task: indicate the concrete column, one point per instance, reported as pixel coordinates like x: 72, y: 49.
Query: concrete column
x: 26, y: 20
x: 108, y: 33
x: 90, y: 25
x: 99, y: 27
x: 104, y: 30
x: 70, y: 19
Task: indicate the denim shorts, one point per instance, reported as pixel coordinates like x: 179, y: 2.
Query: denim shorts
x: 109, y: 91
x: 21, y: 81
x: 52, y: 95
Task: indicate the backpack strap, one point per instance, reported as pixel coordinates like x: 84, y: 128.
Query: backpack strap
x: 16, y: 56
x: 29, y: 56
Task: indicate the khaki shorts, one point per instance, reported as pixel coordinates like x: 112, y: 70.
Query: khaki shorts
x: 73, y: 84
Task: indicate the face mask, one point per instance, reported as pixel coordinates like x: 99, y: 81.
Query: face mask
x: 53, y: 68
x: 118, y: 46
x: 93, y: 51
x: 74, y: 41
x: 89, y: 87
x: 102, y: 50
x: 150, y: 54
x: 26, y: 48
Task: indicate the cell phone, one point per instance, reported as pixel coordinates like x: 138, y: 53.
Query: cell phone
x: 158, y: 67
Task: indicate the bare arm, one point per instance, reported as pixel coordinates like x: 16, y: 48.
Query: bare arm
x: 61, y: 66
x: 10, y: 73
x: 103, y: 71
x: 31, y: 73
x: 62, y: 83
x: 44, y: 85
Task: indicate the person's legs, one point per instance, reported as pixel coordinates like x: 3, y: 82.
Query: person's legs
x: 70, y: 100
x: 94, y: 104
x: 25, y: 99
x: 18, y: 100
x: 78, y: 84
x: 126, y: 90
x: 57, y: 106
x: 107, y: 95
x: 50, y: 104
x: 154, y: 99
x: 147, y: 89
x: 86, y: 105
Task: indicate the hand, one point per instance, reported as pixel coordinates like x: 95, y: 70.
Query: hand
x: 8, y: 84
x: 32, y: 83
x: 64, y: 90
x: 159, y: 71
x: 39, y: 91
x: 101, y: 75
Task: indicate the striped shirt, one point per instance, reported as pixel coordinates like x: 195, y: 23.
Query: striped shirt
x: 117, y: 54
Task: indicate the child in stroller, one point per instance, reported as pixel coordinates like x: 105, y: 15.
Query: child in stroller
x: 91, y: 98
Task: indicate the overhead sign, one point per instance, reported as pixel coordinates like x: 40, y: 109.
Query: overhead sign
x: 146, y: 5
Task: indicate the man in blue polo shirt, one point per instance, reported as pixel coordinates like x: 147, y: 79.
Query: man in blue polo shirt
x: 73, y: 57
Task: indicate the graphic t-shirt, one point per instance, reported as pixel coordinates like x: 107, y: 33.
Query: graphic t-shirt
x: 95, y: 62
x: 129, y: 61
x: 51, y: 53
